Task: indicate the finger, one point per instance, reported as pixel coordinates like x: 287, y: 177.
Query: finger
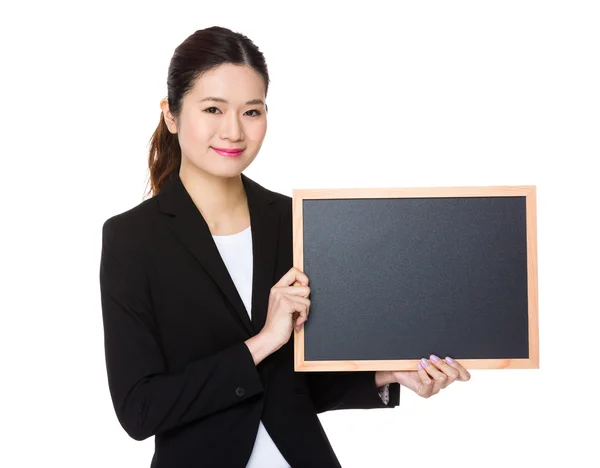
x: 443, y: 366
x: 301, y: 320
x: 438, y: 377
x: 302, y: 308
x: 300, y: 323
x: 301, y: 278
x: 292, y: 276
x: 463, y: 374
x: 426, y: 386
x: 303, y: 291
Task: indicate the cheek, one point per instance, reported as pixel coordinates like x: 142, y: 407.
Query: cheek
x: 257, y: 131
x: 198, y: 131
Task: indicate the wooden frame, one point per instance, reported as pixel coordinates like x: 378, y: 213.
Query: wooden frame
x: 529, y: 192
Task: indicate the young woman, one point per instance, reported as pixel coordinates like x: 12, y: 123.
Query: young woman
x: 199, y: 296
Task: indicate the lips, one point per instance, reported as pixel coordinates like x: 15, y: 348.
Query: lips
x: 228, y: 151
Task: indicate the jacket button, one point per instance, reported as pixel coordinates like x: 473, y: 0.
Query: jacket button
x: 239, y: 391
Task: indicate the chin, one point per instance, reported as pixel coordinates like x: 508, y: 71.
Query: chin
x: 230, y: 172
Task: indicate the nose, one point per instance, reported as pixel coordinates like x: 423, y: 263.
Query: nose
x: 231, y: 128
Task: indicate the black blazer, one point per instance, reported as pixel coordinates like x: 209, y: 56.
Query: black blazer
x: 174, y: 332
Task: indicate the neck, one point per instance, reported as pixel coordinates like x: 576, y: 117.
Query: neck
x: 219, y: 199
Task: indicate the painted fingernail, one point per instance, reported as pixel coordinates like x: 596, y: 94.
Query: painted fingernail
x: 449, y: 360
x: 424, y: 361
x: 420, y: 366
x: 434, y: 358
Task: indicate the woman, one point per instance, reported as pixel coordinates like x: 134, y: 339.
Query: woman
x: 199, y: 296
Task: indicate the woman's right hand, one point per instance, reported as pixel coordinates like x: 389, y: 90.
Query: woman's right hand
x: 285, y: 301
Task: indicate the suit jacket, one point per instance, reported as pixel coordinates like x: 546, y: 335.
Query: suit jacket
x: 174, y: 331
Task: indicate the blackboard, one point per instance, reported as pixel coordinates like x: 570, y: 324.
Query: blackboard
x: 397, y: 274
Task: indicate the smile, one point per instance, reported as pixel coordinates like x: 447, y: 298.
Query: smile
x: 228, y: 152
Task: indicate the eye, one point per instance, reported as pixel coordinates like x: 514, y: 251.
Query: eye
x: 257, y: 112
x: 210, y: 110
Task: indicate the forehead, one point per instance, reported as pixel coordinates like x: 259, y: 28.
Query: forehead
x: 235, y: 83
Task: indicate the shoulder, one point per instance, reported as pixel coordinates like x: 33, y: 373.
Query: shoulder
x: 283, y: 204
x: 281, y: 200
x: 131, y: 222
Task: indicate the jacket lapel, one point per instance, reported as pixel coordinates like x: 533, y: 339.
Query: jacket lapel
x: 190, y: 227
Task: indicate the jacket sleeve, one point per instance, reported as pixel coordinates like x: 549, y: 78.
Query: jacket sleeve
x: 147, y: 397
x: 348, y: 390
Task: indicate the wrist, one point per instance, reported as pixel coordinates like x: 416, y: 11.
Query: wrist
x: 383, y: 378
x: 260, y: 347
x: 268, y: 340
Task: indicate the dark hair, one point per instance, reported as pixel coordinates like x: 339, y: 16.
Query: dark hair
x: 201, y: 52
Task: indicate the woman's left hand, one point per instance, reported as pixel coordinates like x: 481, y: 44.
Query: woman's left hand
x: 430, y: 377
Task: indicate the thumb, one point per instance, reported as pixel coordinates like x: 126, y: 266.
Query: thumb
x: 293, y: 277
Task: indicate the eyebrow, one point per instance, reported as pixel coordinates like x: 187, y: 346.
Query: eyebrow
x: 218, y: 99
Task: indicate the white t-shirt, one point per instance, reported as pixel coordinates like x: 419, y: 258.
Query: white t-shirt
x: 236, y: 252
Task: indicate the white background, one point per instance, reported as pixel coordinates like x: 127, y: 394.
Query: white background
x: 369, y: 94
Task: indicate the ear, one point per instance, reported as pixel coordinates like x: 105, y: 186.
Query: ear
x: 169, y: 119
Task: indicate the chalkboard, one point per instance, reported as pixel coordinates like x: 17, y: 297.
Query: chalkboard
x: 397, y: 274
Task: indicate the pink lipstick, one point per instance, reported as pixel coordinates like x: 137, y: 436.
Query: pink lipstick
x: 231, y: 152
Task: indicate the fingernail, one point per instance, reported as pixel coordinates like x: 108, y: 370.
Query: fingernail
x: 434, y: 358
x: 420, y: 366
x: 424, y: 361
x: 449, y: 360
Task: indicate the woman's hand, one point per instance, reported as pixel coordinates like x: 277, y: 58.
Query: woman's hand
x: 288, y: 307
x: 430, y: 377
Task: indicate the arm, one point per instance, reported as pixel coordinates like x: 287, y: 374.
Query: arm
x: 349, y: 390
x: 148, y: 399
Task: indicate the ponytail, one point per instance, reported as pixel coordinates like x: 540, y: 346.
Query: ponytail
x: 164, y: 157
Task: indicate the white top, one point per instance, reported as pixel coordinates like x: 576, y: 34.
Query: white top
x: 236, y: 252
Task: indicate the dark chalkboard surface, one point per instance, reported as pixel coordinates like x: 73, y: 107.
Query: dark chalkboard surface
x: 398, y: 274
